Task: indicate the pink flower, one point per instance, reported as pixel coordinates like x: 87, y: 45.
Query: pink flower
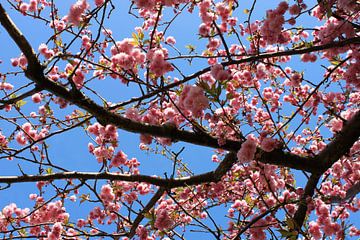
x: 119, y: 159
x: 33, y: 5
x: 192, y: 98
x: 294, y: 9
x: 314, y: 230
x: 6, y: 86
x: 21, y: 139
x: 43, y: 48
x: 272, y: 29
x: 336, y: 125
x: 76, y: 11
x: 170, y: 40
x: 354, y: 231
x: 163, y: 220
x: 269, y: 144
x: 107, y: 194
x: 14, y: 62
x: 307, y: 57
x: 219, y: 73
x: 24, y: 7
x: 55, y: 233
x: 36, y: 98
x: 98, y: 3
x: 142, y: 232
x: 3, y: 141
x: 294, y: 81
x: 158, y: 65
x: 78, y: 78
x: 204, y: 30
x: 247, y: 150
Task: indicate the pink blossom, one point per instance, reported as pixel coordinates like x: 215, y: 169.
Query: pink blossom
x: 107, y: 194
x: 163, y: 220
x: 21, y: 139
x: 336, y: 125
x: 204, y: 30
x: 142, y: 232
x: 213, y: 44
x: 272, y: 26
x: 33, y: 5
x: 170, y: 40
x: 3, y: 141
x: 269, y: 144
x: 24, y: 7
x: 36, y: 98
x: 23, y: 61
x: 247, y: 150
x: 14, y: 62
x: 6, y: 86
x: 294, y: 9
x: 354, y: 231
x: 77, y: 10
x: 192, y: 98
x: 219, y: 73
x: 158, y: 65
x: 295, y: 80
x: 55, y: 233
x: 98, y: 3
x: 43, y: 48
x: 119, y: 159
x: 143, y: 188
x: 314, y: 230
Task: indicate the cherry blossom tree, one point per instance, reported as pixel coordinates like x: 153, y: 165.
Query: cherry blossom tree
x: 272, y: 92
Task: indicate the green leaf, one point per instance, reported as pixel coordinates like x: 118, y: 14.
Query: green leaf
x: 22, y: 232
x: 58, y: 42
x: 135, y: 41
x: 48, y: 109
x: 20, y: 103
x: 141, y: 35
x: 204, y: 85
x: 49, y: 171
x: 148, y: 216
x: 190, y: 47
x: 72, y: 62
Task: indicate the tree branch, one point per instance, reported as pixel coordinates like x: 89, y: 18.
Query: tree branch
x: 145, y: 210
x: 300, y: 213
x: 342, y: 142
x: 213, y: 176
x: 19, y: 98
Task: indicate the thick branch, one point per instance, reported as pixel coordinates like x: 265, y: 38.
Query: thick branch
x: 342, y: 142
x: 300, y: 214
x: 338, y: 147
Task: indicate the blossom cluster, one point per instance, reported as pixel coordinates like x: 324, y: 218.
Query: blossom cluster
x: 125, y: 56
x: 193, y: 99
